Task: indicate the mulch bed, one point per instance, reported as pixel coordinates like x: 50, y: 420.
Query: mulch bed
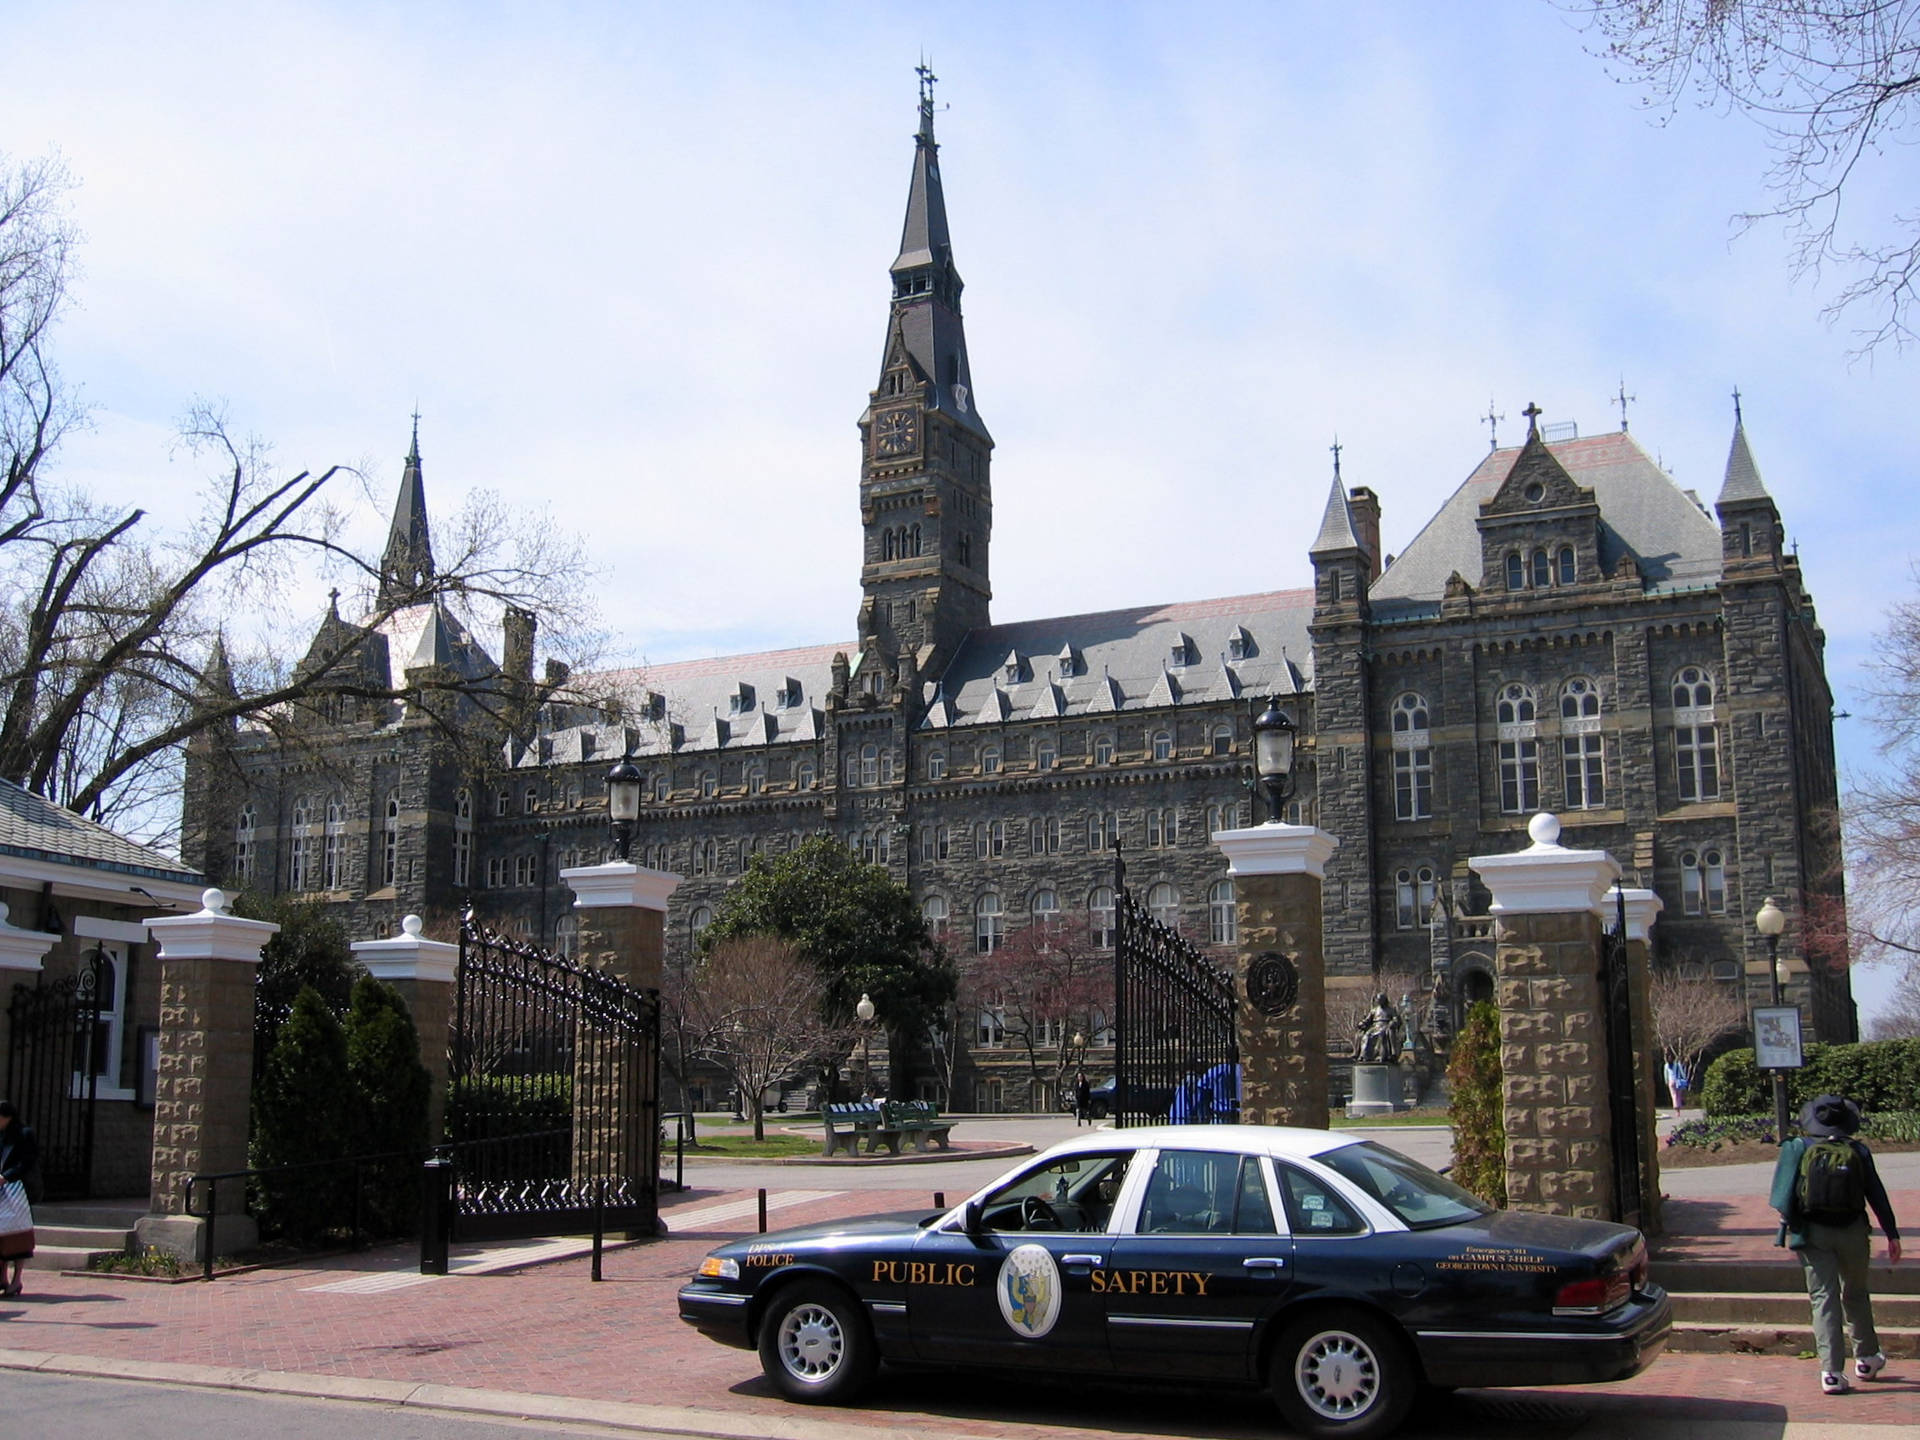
x: 1748, y: 1152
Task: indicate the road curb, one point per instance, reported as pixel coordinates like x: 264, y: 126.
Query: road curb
x: 839, y: 1162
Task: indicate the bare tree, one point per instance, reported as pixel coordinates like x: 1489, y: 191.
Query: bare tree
x: 36, y: 248
x: 751, y: 1006
x: 1901, y: 1019
x: 1046, y: 984
x: 1832, y: 83
x: 1691, y: 1011
x: 1882, y: 916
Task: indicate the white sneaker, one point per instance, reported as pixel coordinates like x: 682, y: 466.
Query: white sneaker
x: 1868, y: 1367
x: 1833, y: 1384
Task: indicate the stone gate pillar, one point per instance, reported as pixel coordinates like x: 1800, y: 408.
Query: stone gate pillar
x: 423, y: 971
x: 1552, y: 1047
x: 1280, y: 971
x: 204, y: 1090
x: 1643, y: 907
x: 622, y: 910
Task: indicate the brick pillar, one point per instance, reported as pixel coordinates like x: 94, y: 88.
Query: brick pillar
x: 1552, y: 1051
x: 1643, y: 907
x: 202, y: 1096
x: 21, y: 952
x: 423, y: 972
x: 1277, y: 874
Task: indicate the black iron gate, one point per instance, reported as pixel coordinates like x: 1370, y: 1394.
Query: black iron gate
x: 56, y: 1049
x: 1623, y: 1091
x: 553, y: 1095
x: 1176, y: 1049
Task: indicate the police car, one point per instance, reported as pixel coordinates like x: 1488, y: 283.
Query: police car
x: 1332, y: 1270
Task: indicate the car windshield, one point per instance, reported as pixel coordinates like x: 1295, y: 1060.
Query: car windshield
x: 1419, y: 1197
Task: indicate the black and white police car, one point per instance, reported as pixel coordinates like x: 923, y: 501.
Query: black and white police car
x: 1335, y: 1271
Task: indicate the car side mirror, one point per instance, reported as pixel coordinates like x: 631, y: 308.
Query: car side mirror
x: 972, y: 1217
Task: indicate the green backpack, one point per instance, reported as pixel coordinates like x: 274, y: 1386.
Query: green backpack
x: 1833, y: 1185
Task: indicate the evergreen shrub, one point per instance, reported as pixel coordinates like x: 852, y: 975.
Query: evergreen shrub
x: 302, y: 1112
x: 390, y: 1090
x: 1476, y: 1109
x: 1875, y: 1075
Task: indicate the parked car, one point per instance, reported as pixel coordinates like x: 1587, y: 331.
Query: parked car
x: 1333, y: 1271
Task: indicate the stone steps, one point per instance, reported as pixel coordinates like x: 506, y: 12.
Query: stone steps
x: 1771, y: 1277
x: 1732, y: 1307
x: 69, y: 1236
x: 1781, y: 1309
x: 1902, y: 1341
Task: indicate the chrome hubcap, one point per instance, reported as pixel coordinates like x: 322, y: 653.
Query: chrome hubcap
x: 811, y: 1342
x: 1337, y: 1375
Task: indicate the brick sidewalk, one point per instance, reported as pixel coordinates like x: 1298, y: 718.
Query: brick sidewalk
x: 551, y: 1331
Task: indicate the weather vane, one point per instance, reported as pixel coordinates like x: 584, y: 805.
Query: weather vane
x: 1493, y: 426
x: 1336, y: 448
x: 1622, y: 399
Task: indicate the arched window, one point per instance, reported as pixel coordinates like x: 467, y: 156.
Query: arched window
x: 697, y: 923
x: 1163, y: 903
x: 390, y: 840
x: 333, y: 855
x: 463, y: 838
x: 1223, y: 918
x: 1518, y: 750
x: 988, y: 924
x: 756, y: 779
x: 1542, y: 570
x: 1516, y: 572
x: 936, y: 765
x: 530, y: 800
x: 1414, y: 894
x: 243, y: 844
x: 1044, y: 754
x: 1103, y: 749
x: 1582, y: 747
x: 916, y: 540
x: 1045, y: 906
x: 1153, y: 829
x: 1703, y: 881
x: 1412, y: 758
x: 1696, y: 736
x: 804, y: 775
x: 709, y: 784
x: 566, y: 935
x: 869, y: 765
x: 662, y: 788
x: 990, y: 760
x: 1564, y: 563
x: 1162, y: 745
x: 1222, y: 740
x: 1100, y: 917
x: 886, y: 545
x: 934, y: 910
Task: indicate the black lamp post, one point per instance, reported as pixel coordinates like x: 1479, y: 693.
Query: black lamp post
x: 864, y: 1012
x: 623, y: 804
x: 1770, y: 922
x: 1273, y: 737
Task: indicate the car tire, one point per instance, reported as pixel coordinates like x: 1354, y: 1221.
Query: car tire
x: 1342, y: 1372
x: 816, y: 1346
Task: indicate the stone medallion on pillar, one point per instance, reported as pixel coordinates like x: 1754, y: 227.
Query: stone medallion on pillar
x: 1279, y: 972
x: 1553, y: 1053
x: 423, y: 972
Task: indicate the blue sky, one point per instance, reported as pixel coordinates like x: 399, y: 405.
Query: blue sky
x: 630, y: 262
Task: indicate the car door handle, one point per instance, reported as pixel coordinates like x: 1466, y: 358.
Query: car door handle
x: 1264, y: 1262
x: 1079, y: 1259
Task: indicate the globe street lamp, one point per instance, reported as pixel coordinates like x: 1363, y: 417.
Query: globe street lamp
x: 1770, y: 922
x: 865, y: 1012
x: 1273, y: 737
x: 623, y: 804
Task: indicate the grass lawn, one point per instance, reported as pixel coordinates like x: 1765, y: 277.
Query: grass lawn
x: 743, y: 1144
x: 1406, y: 1117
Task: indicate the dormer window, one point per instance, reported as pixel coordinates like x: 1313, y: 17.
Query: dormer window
x: 1239, y: 644
x: 1180, y: 652
x: 741, y: 701
x: 1010, y: 668
x: 790, y: 694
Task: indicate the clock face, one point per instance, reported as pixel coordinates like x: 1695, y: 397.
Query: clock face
x: 894, y: 433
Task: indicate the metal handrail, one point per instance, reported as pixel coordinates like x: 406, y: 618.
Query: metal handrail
x: 212, y: 1181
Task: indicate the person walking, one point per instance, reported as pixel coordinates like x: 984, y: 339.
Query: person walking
x: 19, y: 1186
x: 1082, y: 1100
x: 1677, y: 1083
x: 1823, y: 1186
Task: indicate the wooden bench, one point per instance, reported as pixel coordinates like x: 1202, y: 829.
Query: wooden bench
x: 920, y: 1119
x: 850, y: 1122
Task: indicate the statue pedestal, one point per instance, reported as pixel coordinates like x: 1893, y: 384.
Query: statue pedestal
x: 1376, y: 1091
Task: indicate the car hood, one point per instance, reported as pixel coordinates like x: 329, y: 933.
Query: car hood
x: 903, y: 1222
x: 1547, y: 1232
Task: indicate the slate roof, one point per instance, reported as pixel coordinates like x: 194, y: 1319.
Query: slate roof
x: 1743, y: 476
x: 1642, y: 513
x: 431, y: 634
x: 1336, y: 525
x: 35, y: 828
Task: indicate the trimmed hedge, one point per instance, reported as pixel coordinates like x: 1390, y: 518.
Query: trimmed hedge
x: 1718, y: 1130
x: 1875, y: 1075
x: 1476, y: 1109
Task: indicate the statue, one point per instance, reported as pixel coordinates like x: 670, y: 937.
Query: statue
x: 1378, y: 1038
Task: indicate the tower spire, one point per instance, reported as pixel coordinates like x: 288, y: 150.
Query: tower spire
x: 406, y: 567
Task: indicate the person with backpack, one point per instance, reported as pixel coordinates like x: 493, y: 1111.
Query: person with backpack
x: 1823, y: 1186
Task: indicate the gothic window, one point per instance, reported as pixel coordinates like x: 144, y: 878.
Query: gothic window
x: 1542, y: 570
x: 333, y: 855
x: 710, y: 857
x: 1223, y: 918
x: 1518, y: 750
x: 1516, y: 572
x: 463, y: 838
x: 886, y: 545
x: 1053, y: 835
x: 804, y: 775
x: 1412, y: 758
x: 886, y: 767
x: 1103, y: 828
x: 1162, y: 745
x: 1103, y: 749
x: 1037, y: 836
x: 990, y: 760
x: 566, y: 935
x: 997, y: 838
x: 1582, y: 748
x: 756, y: 779
x: 709, y: 784
x: 526, y: 870
x: 1045, y: 906
x: 243, y: 843
x: 530, y: 800
x: 1100, y: 917
x: 501, y: 802
x: 934, y: 910
x: 916, y: 551
x: 1163, y: 903
x: 662, y: 788
x: 869, y: 765
x: 496, y: 872
x: 697, y: 922
x: 1563, y: 563
x: 944, y: 838
x: 390, y: 840
x: 929, y: 849
x: 988, y: 924
x: 936, y: 765
x: 1153, y: 829
x: 1222, y: 740
x: 991, y: 1032
x: 1703, y: 881
x: 1044, y: 754
x: 1696, y: 738
x: 1414, y: 894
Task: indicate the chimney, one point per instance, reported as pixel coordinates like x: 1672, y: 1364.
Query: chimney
x: 1364, y: 506
x: 519, y: 627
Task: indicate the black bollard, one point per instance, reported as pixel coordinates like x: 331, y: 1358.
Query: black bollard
x: 436, y: 1214
x: 599, y: 1222
x: 939, y: 1199
x: 763, y: 1212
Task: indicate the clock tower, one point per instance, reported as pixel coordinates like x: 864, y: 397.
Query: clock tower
x: 926, y: 506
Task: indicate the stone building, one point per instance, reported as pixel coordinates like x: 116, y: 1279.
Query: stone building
x: 1570, y: 631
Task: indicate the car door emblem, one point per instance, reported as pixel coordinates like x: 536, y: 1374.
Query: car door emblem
x: 1029, y: 1290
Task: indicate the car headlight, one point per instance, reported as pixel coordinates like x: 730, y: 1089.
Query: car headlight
x: 719, y: 1267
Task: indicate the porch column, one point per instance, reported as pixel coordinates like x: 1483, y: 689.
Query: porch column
x: 1553, y: 1049
x: 423, y: 971
x: 1643, y: 908
x: 21, y: 954
x: 1280, y: 971
x: 208, y: 961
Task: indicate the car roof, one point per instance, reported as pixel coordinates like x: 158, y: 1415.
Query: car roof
x: 1282, y: 1141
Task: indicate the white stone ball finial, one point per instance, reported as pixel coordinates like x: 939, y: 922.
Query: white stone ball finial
x: 411, y: 926
x: 1545, y: 829
x: 213, y: 901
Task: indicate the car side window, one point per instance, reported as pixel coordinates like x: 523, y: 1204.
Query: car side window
x: 1074, y: 1193
x: 1312, y: 1207
x: 1206, y: 1193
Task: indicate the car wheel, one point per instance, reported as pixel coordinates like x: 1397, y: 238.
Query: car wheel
x: 1342, y: 1373
x: 815, y: 1345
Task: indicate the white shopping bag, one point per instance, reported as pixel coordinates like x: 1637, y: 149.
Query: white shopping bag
x: 15, y: 1214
